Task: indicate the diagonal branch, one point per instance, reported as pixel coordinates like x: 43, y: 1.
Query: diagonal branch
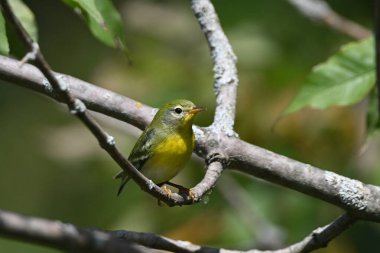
x: 225, y: 72
x: 319, y: 10
x: 66, y: 236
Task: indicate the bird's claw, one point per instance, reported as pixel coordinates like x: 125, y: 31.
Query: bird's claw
x: 181, y: 191
x: 168, y: 193
x: 187, y: 192
x: 192, y: 195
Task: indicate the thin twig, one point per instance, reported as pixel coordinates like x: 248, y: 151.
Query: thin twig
x: 320, y: 237
x: 225, y: 72
x: 319, y: 10
x: 216, y: 164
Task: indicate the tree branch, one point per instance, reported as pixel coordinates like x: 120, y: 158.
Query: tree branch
x: 225, y: 72
x: 320, y: 237
x: 357, y: 198
x: 319, y: 10
x: 66, y: 236
x: 216, y: 164
x: 59, y: 235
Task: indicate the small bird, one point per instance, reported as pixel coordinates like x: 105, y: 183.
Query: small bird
x: 166, y: 144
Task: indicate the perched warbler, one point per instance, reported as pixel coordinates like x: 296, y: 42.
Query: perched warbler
x: 166, y: 144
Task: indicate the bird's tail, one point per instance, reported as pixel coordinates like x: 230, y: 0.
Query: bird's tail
x: 123, y: 180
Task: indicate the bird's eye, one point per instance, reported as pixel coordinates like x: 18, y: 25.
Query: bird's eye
x: 178, y: 110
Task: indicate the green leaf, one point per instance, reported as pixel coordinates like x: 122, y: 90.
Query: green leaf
x: 103, y: 20
x: 89, y: 6
x: 4, y: 46
x: 344, y: 79
x: 26, y: 17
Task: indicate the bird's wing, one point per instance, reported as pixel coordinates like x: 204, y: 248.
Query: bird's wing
x: 141, y: 152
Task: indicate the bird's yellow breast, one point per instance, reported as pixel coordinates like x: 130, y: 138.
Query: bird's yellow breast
x: 175, y: 144
x: 169, y: 157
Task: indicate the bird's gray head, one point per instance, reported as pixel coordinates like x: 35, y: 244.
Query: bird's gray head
x: 178, y: 113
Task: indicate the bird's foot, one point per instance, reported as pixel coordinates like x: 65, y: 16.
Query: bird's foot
x: 192, y: 195
x: 166, y: 190
x: 168, y: 193
x: 183, y: 190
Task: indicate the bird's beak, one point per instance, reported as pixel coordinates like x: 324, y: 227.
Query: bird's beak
x: 197, y: 109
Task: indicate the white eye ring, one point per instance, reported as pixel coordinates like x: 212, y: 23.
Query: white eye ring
x: 178, y: 110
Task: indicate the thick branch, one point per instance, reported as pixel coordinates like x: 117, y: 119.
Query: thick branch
x: 319, y: 10
x: 225, y: 72
x: 352, y: 195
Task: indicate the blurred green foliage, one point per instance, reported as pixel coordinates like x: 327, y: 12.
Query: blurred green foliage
x: 4, y: 46
x: 25, y: 16
x: 52, y: 167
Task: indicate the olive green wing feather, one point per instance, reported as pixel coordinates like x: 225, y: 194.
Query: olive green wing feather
x: 141, y: 152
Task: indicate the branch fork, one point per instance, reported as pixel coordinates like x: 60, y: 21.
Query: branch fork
x: 32, y: 55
